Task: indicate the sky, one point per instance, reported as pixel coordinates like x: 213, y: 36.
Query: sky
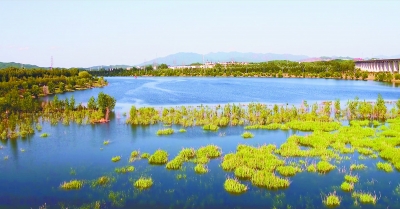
x: 110, y: 32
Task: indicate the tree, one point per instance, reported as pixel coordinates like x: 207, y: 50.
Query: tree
x: 105, y: 101
x: 92, y: 104
x: 163, y: 66
x: 380, y: 107
x: 84, y: 74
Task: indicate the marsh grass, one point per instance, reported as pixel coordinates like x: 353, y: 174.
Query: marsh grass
x: 72, y: 185
x: 247, y: 134
x: 106, y: 142
x: 126, y: 169
x: 244, y: 172
x: 234, y: 186
x: 269, y: 180
x: 200, y: 169
x: 116, y: 159
x: 347, y: 187
x: 143, y: 182
x: 332, y: 200
x: 210, y: 127
x: 44, y: 135
x: 357, y: 167
x: 167, y: 131
x: 365, y: 198
x: 324, y: 167
x: 288, y: 170
x: 351, y: 178
x: 387, y: 167
x: 102, y: 181
x: 145, y: 155
x: 159, y: 157
x: 175, y: 163
x: 312, y: 168
x: 182, y: 130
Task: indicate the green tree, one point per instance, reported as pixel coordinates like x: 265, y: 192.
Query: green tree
x: 92, y: 105
x: 105, y: 101
x: 380, y: 107
x: 163, y: 66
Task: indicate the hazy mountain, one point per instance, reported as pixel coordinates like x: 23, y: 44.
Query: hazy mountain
x: 107, y: 67
x: 18, y: 65
x: 186, y: 58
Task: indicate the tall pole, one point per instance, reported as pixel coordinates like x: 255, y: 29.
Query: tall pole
x: 51, y: 65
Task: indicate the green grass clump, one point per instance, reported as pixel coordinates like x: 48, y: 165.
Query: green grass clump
x: 126, y: 169
x: 201, y: 160
x: 247, y: 134
x: 175, y: 164
x: 106, y: 142
x: 244, y: 172
x: 166, y: 131
x: 357, y: 166
x: 365, y: 151
x: 187, y: 153
x: 210, y: 127
x: 332, y: 200
x: 269, y: 180
x: 44, y: 135
x: 351, y: 179
x: 324, y: 167
x: 182, y: 130
x: 101, y: 181
x: 365, y: 198
x: 116, y: 159
x: 145, y: 155
x: 234, y: 186
x: 135, y: 154
x: 143, y: 183
x: 159, y: 157
x: 347, y: 187
x: 209, y: 151
x: 73, y: 184
x: 200, y: 168
x: 288, y: 170
x: 387, y: 167
x: 312, y: 168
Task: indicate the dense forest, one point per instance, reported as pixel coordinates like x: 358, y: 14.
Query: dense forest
x: 339, y: 69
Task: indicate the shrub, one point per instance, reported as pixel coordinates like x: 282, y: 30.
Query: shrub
x: 143, y: 183
x: 324, y: 167
x: 159, y: 157
x: 234, y: 186
x: 247, y: 135
x: 116, y: 159
x: 200, y: 168
x: 332, y: 200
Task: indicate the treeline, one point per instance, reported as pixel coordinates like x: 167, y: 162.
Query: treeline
x: 24, y: 123
x: 256, y: 114
x: 21, y: 88
x: 323, y: 69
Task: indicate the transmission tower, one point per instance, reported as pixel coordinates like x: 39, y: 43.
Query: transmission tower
x: 51, y: 64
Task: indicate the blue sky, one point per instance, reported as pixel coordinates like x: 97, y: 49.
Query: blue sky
x: 87, y: 33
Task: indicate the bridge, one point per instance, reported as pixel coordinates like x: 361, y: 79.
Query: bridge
x: 381, y: 65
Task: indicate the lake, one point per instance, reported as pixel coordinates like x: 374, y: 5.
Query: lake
x: 36, y: 166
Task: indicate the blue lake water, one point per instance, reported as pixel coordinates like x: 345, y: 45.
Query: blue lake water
x: 31, y: 178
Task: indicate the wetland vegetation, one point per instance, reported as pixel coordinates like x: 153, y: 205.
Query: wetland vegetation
x: 343, y: 145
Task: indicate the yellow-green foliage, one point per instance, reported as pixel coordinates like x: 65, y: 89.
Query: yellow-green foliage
x: 135, y: 154
x: 269, y: 180
x: 182, y: 130
x: 176, y: 163
x: 346, y: 186
x: 324, y: 167
x: 126, y: 169
x: 312, y: 168
x: 200, y: 168
x: 210, y: 127
x: 332, y: 200
x: 244, y: 172
x: 166, y: 131
x: 357, y: 166
x: 288, y: 170
x: 247, y: 135
x: 209, y: 151
x: 116, y: 158
x: 143, y: 183
x: 234, y: 186
x: 145, y: 155
x: 73, y: 184
x: 201, y: 160
x: 187, y: 153
x: 101, y: 181
x: 366, y: 198
x: 384, y: 166
x: 106, y: 142
x: 44, y: 135
x: 351, y: 179
x: 159, y: 157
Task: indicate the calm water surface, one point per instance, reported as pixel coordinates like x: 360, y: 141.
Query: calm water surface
x: 31, y: 178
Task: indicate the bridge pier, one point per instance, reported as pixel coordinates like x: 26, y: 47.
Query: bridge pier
x: 384, y: 65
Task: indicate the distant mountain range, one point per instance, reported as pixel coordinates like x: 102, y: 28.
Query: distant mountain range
x: 186, y: 58
x: 18, y: 65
